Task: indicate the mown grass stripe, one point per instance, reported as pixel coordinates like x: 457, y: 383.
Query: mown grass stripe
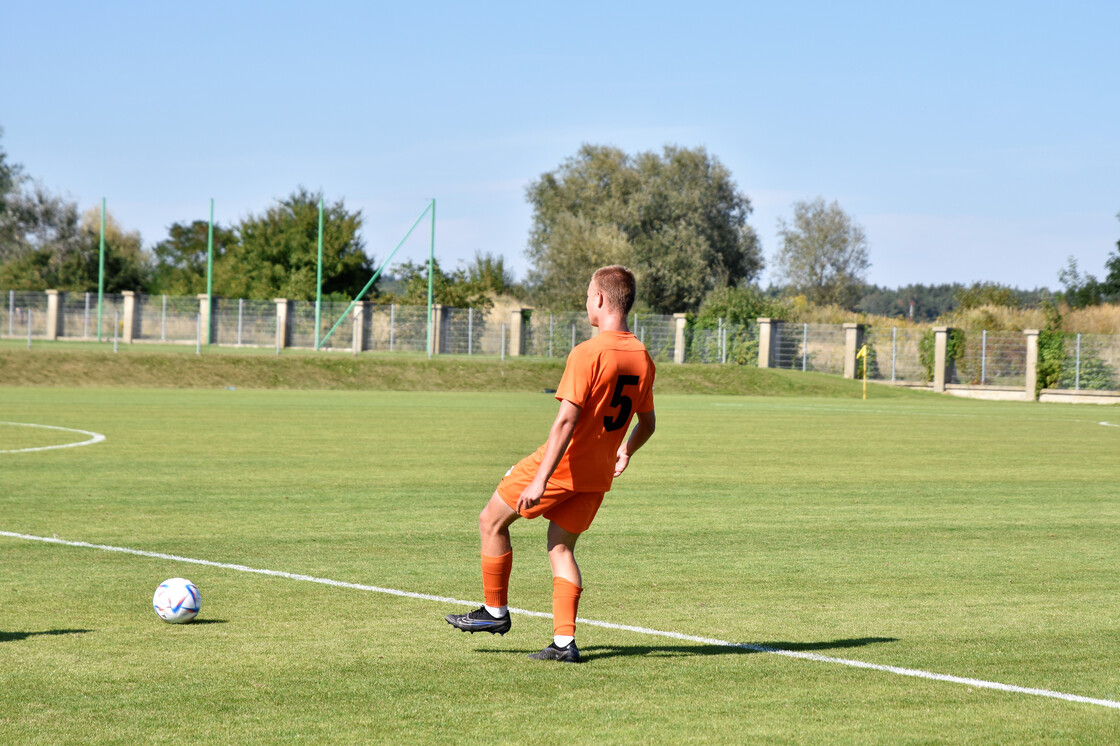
x: 911, y: 672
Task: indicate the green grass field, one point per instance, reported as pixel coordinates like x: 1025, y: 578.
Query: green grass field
x: 974, y: 539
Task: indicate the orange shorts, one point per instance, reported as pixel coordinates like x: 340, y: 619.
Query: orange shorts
x: 571, y: 511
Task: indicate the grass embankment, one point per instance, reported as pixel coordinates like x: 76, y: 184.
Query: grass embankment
x: 169, y: 367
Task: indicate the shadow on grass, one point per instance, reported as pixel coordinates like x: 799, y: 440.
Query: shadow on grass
x: 196, y: 622
x: 11, y: 636
x: 593, y: 652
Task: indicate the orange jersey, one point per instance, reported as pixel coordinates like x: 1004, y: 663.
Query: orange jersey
x: 609, y: 377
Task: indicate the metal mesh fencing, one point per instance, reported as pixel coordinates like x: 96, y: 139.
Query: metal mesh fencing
x: 895, y: 354
x: 394, y: 328
x: 303, y: 325
x: 986, y: 358
x: 165, y: 318
x: 1091, y: 363
x: 79, y: 315
x: 239, y: 321
x: 460, y: 332
x: 26, y: 314
x: 992, y: 358
x: 815, y: 347
x: 112, y: 316
x: 658, y: 333
x: 553, y: 335
x: 727, y: 343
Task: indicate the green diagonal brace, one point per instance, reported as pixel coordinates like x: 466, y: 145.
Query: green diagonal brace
x: 373, y: 279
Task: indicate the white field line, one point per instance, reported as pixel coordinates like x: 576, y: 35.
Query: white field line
x: 94, y: 437
x: 1108, y: 424
x: 913, y: 672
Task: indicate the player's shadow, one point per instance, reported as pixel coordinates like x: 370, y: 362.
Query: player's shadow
x: 12, y: 636
x: 593, y: 652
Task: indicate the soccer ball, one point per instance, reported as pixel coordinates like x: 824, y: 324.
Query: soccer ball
x: 177, y: 601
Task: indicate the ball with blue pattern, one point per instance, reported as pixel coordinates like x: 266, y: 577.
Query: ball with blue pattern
x: 177, y: 601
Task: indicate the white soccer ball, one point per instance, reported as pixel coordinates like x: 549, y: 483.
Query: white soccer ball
x: 177, y: 600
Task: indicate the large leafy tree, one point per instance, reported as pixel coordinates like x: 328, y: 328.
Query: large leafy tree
x: 823, y: 253
x: 489, y: 273
x: 56, y: 248
x: 277, y: 252
x: 45, y: 243
x: 676, y: 218
x: 458, y: 288
x: 180, y: 259
x: 1080, y: 290
x: 11, y: 177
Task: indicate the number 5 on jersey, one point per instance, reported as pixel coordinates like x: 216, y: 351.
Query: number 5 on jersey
x: 624, y: 403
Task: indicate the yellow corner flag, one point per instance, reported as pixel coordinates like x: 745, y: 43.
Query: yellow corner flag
x: 863, y: 354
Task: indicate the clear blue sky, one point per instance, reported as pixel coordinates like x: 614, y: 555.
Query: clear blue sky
x: 972, y: 140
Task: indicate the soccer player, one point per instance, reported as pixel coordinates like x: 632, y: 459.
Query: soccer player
x: 607, y: 381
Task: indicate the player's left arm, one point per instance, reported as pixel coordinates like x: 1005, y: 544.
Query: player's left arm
x: 647, y: 423
x: 559, y: 436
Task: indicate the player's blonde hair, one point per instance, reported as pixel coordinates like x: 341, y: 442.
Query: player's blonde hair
x: 618, y: 286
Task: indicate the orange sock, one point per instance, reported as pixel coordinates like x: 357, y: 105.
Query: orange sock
x: 565, y: 601
x: 495, y: 578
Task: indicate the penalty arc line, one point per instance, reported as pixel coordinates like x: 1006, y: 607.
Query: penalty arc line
x: 912, y: 672
x: 94, y: 437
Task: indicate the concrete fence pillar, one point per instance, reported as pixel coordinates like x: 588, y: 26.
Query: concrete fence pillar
x: 205, y: 320
x: 517, y: 332
x: 283, y: 322
x: 768, y: 330
x: 129, y: 323
x: 854, y: 335
x: 940, y: 358
x: 358, y: 315
x: 1031, y: 383
x: 54, y: 317
x: 437, y: 328
x: 681, y: 320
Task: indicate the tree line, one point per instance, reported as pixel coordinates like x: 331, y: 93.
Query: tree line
x: 675, y: 216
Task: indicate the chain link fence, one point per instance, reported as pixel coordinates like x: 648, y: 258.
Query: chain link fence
x: 897, y: 354
x: 165, y: 318
x: 658, y: 333
x: 809, y: 347
x: 992, y: 358
x: 726, y: 343
x: 79, y: 315
x: 468, y: 331
x: 394, y: 328
x: 894, y: 354
x: 241, y: 322
x: 1091, y: 363
x: 553, y: 335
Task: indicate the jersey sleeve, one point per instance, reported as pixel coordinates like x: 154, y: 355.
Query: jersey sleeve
x: 645, y: 403
x: 576, y: 383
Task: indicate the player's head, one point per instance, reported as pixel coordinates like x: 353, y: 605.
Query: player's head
x: 618, y: 287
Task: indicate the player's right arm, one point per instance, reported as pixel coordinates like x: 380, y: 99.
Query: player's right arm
x: 559, y: 436
x: 647, y: 423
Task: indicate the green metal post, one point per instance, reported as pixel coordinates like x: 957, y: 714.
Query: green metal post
x: 319, y: 276
x: 210, y: 273
x: 431, y: 279
x: 101, y: 270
